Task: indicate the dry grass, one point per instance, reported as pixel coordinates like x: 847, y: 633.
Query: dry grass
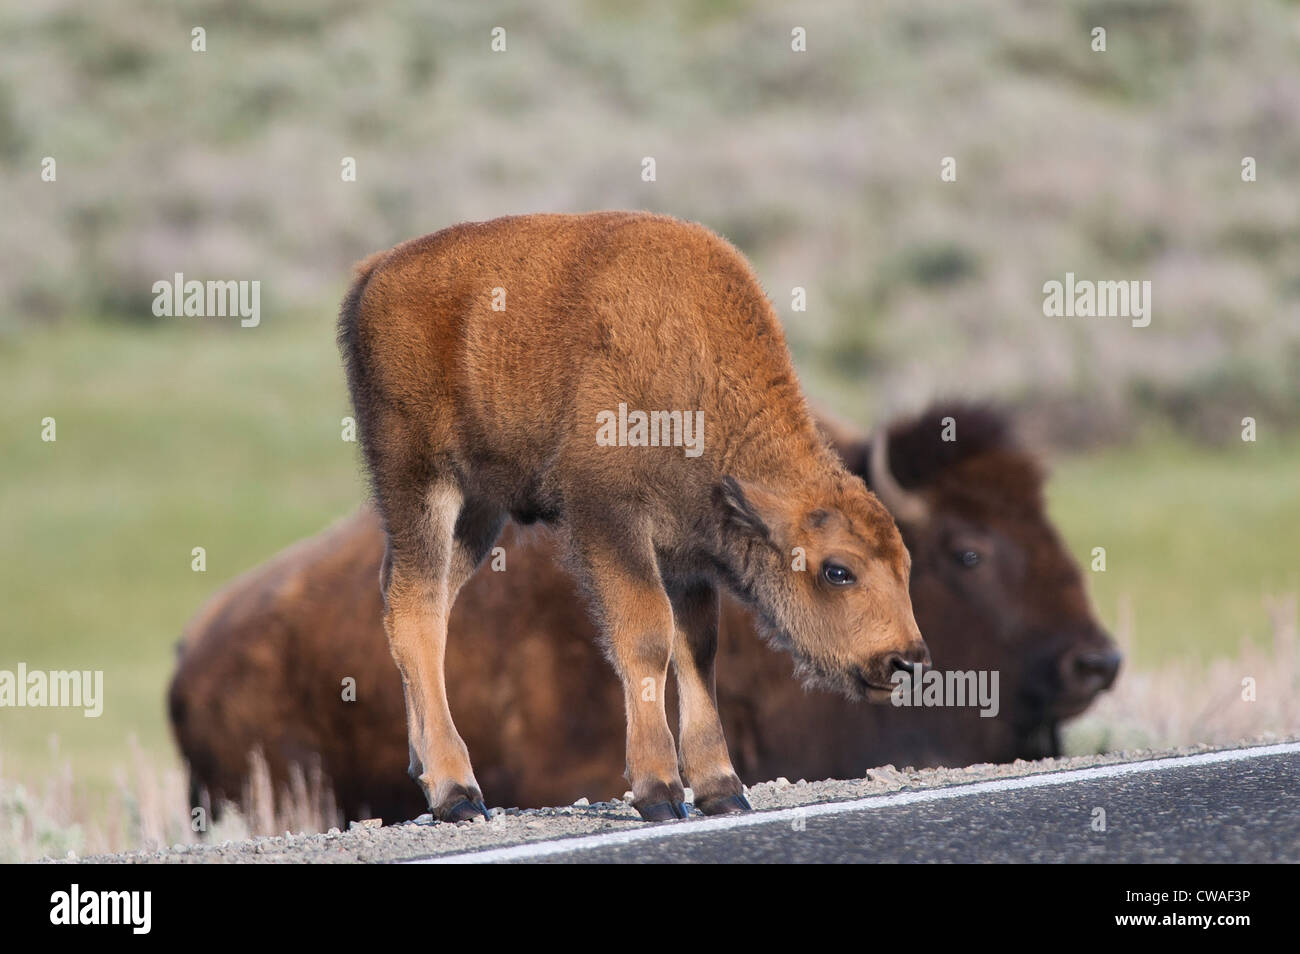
x: 1184, y: 702
x: 149, y: 809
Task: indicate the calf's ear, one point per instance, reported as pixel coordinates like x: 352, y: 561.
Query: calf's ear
x: 747, y: 506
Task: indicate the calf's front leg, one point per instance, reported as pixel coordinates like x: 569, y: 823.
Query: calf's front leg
x: 637, y: 621
x: 705, y: 762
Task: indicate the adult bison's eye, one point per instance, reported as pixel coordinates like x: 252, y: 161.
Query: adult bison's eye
x: 837, y: 575
x: 968, y: 558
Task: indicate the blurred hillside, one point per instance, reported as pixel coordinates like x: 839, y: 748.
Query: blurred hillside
x: 822, y: 166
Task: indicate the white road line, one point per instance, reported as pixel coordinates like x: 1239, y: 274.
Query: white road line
x: 545, y: 849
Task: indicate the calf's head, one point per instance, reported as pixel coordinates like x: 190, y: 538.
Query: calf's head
x: 827, y: 572
x: 993, y: 584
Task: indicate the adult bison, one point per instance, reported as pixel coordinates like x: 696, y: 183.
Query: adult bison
x: 263, y: 665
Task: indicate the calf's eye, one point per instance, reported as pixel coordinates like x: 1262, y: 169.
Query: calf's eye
x: 837, y: 575
x: 968, y: 558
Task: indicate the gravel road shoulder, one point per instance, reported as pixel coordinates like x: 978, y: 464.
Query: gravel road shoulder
x: 513, y: 826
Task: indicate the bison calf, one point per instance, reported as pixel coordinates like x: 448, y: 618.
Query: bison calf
x: 482, y: 359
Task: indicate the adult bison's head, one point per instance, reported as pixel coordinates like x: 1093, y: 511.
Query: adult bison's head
x: 993, y: 586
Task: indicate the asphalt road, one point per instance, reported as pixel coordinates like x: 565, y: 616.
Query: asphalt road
x: 1237, y: 806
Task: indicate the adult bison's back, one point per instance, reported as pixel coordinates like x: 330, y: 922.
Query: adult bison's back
x: 547, y: 367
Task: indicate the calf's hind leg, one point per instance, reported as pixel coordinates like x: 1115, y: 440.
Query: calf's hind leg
x: 432, y: 551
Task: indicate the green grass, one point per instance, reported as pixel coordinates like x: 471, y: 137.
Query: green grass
x: 196, y: 434
x: 168, y: 439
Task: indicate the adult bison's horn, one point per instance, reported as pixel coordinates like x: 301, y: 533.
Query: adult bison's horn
x: 906, y: 505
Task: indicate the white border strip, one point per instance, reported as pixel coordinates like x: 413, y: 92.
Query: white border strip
x: 658, y: 832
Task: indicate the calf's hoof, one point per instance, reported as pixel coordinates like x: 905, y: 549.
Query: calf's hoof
x: 725, y: 805
x: 663, y: 811
x: 461, y: 807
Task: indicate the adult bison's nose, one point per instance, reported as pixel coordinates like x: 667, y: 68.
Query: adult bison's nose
x: 1086, y: 672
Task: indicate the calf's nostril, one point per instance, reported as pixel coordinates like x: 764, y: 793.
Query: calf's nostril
x: 900, y: 663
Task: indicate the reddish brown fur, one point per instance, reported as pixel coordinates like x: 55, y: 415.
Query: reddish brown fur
x: 263, y: 663
x: 470, y: 414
